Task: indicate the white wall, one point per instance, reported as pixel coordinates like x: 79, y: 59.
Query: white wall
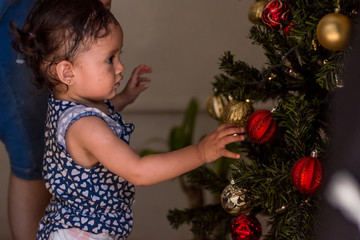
x: 182, y: 40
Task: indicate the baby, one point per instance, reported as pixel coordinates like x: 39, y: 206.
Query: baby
x: 73, y: 48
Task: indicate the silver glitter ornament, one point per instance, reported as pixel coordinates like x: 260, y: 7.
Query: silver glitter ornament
x: 236, y: 200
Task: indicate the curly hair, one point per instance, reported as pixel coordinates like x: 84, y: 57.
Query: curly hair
x: 57, y: 30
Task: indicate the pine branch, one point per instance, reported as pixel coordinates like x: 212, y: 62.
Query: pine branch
x: 292, y: 213
x: 302, y: 76
x: 238, y: 76
x: 204, y: 221
x: 207, y: 179
x: 299, y: 123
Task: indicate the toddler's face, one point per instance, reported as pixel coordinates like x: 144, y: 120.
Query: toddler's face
x: 98, y: 70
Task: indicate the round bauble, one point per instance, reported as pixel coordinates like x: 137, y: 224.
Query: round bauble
x: 288, y: 29
x: 245, y: 227
x: 236, y: 200
x: 276, y: 14
x: 306, y: 174
x: 261, y: 127
x: 334, y: 31
x: 215, y: 105
x: 237, y: 112
x: 255, y: 12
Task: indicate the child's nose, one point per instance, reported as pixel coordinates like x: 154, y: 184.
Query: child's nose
x: 119, y: 67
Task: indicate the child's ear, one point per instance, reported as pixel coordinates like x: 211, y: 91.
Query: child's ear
x: 64, y: 71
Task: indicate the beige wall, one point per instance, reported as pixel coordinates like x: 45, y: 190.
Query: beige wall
x: 182, y: 40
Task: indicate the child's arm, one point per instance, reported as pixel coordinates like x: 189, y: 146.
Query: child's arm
x: 100, y: 144
x: 135, y: 86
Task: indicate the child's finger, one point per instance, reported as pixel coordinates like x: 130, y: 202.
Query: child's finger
x: 142, y: 87
x: 141, y: 70
x: 226, y: 125
x: 231, y: 131
x: 144, y: 79
x: 144, y: 69
x: 232, y: 138
x: 229, y: 154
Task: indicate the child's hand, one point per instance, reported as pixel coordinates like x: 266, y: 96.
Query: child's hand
x: 137, y: 83
x: 213, y: 146
x: 135, y: 86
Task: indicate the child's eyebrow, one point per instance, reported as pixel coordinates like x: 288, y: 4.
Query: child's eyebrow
x: 115, y: 50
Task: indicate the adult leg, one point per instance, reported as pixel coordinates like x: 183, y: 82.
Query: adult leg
x: 22, y: 131
x: 27, y: 202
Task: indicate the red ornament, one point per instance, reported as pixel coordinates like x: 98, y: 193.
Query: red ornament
x: 245, y: 227
x: 261, y: 127
x: 288, y: 29
x: 276, y: 14
x: 306, y: 174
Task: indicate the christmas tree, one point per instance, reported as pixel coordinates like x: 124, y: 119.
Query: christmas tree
x: 284, y: 155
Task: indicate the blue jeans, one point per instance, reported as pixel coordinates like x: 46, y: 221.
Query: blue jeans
x: 22, y: 109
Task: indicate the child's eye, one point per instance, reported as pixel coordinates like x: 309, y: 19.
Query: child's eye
x: 110, y: 59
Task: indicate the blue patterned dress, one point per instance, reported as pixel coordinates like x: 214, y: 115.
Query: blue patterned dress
x: 93, y: 200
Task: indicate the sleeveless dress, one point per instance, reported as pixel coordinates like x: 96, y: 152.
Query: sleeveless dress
x: 93, y: 200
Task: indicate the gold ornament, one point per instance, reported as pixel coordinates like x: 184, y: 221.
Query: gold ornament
x: 235, y: 200
x: 255, y: 12
x: 288, y: 63
x: 215, y: 105
x: 333, y: 31
x: 314, y: 45
x: 237, y: 112
x: 272, y: 76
